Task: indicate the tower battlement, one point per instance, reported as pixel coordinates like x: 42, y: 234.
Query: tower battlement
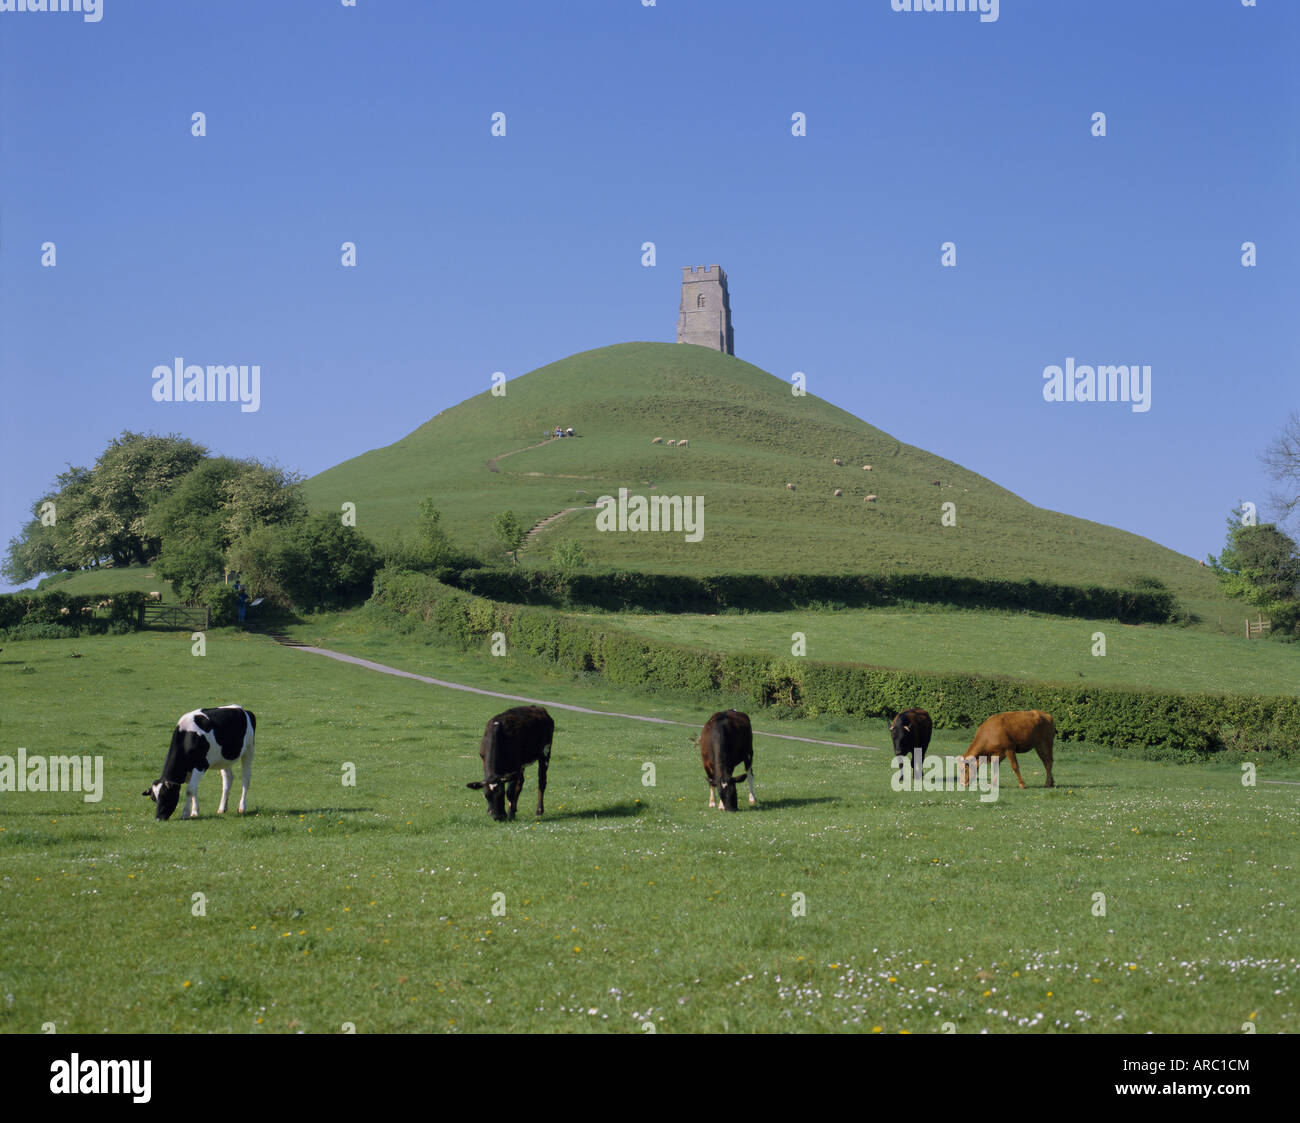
x: 704, y: 317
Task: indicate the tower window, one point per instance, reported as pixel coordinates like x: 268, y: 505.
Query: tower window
x: 699, y: 301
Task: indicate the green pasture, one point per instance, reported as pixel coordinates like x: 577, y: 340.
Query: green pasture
x: 837, y: 904
x: 1020, y: 645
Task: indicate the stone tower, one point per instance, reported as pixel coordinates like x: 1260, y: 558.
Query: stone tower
x: 705, y: 315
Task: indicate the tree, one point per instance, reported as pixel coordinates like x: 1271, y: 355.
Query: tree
x: 568, y: 556
x: 1259, y: 564
x: 1282, y: 458
x: 510, y: 532
x: 100, y: 513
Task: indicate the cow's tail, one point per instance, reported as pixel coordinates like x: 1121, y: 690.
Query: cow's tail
x: 493, y: 752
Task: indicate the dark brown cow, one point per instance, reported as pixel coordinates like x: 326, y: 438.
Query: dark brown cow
x: 1004, y: 735
x: 512, y: 740
x: 911, y: 732
x: 727, y: 741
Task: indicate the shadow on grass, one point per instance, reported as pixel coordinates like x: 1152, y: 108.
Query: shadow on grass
x: 780, y: 804
x: 613, y: 811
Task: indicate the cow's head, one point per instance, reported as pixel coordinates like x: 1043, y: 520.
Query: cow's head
x: 727, y: 786
x: 494, y: 791
x: 900, y: 730
x: 166, y: 794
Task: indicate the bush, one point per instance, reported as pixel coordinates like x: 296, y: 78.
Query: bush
x: 1170, y: 723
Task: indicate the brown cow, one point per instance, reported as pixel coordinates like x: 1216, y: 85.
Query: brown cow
x: 727, y: 741
x: 1004, y: 735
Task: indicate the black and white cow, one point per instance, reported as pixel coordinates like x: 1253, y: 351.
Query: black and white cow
x: 201, y: 740
x: 512, y: 740
x: 727, y: 741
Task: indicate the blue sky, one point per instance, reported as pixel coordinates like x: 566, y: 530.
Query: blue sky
x: 670, y: 124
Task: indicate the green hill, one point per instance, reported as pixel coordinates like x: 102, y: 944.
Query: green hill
x: 748, y: 438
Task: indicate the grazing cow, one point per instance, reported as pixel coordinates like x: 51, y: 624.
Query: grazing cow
x: 1004, y: 735
x: 512, y: 740
x: 202, y: 739
x: 657, y: 441
x: 727, y: 741
x: 911, y: 733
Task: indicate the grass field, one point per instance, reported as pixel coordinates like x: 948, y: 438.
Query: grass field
x: 1020, y: 645
x: 626, y: 905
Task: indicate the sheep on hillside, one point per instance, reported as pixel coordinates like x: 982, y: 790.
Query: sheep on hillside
x: 657, y: 441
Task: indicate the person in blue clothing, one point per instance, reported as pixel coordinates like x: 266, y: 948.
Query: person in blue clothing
x: 241, y: 599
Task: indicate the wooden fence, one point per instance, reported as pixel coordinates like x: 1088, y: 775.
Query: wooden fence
x: 1257, y: 627
x: 175, y: 616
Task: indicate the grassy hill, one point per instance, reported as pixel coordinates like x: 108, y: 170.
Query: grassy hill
x: 749, y: 437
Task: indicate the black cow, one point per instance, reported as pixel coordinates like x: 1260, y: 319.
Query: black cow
x: 911, y: 732
x: 202, y: 739
x: 512, y: 740
x: 727, y: 741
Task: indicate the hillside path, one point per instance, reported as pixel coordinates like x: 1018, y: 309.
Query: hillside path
x: 380, y: 667
x: 492, y: 464
x: 541, y: 526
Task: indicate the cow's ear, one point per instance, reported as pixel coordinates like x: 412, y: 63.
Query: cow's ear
x: 476, y: 785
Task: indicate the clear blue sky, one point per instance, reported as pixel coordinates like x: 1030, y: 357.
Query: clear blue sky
x: 669, y: 124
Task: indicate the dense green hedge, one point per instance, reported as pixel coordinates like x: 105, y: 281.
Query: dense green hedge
x: 68, y: 614
x: 684, y: 593
x: 1199, y: 723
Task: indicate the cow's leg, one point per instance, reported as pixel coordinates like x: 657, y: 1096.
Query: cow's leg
x: 1046, y: 756
x: 192, y: 796
x: 750, y: 781
x: 1015, y: 767
x: 965, y: 771
x: 226, y: 778
x: 542, y: 764
x: 248, y: 779
x: 512, y: 794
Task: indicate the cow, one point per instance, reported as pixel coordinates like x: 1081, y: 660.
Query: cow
x: 727, y: 741
x: 1005, y: 735
x: 202, y: 739
x: 911, y: 731
x: 513, y: 739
